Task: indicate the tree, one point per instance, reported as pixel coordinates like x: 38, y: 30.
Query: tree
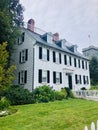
x: 94, y: 71
x: 6, y: 73
x: 11, y: 17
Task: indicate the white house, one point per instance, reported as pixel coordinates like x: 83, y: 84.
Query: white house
x: 45, y: 59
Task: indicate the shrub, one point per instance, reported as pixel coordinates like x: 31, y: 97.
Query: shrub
x: 4, y: 103
x: 83, y: 88
x: 18, y: 95
x: 43, y: 94
x: 94, y: 87
x: 69, y: 93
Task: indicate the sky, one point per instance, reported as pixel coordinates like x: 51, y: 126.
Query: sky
x: 74, y: 20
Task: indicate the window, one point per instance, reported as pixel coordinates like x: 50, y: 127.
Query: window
x: 56, y: 57
x: 21, y: 38
x: 23, y: 57
x: 87, y: 80
x: 44, y: 76
x: 43, y: 53
x: 75, y: 65
x: 22, y: 77
x: 57, y: 77
x: 65, y: 59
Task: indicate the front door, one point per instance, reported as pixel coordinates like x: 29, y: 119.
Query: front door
x: 70, y: 81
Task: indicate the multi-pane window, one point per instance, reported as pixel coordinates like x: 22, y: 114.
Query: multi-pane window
x: 44, y: 76
x: 22, y: 77
x: 56, y: 57
x: 23, y: 57
x: 57, y: 77
x: 43, y: 54
x: 21, y: 38
x: 78, y: 79
x: 85, y: 79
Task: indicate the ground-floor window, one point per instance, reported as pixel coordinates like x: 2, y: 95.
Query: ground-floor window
x: 22, y: 77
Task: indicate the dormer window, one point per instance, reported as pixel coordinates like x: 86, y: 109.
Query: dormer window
x: 48, y: 37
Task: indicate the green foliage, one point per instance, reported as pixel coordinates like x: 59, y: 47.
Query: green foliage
x: 43, y: 94
x: 11, y: 16
x: 94, y: 87
x: 4, y: 103
x: 94, y: 71
x: 6, y: 73
x: 83, y: 88
x: 69, y: 93
x: 18, y: 95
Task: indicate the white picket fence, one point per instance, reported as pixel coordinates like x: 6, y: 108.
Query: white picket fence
x: 87, y: 94
x: 94, y: 126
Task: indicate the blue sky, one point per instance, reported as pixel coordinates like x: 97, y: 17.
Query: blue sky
x: 73, y: 19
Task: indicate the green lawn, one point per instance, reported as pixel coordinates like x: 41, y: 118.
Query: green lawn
x: 72, y: 114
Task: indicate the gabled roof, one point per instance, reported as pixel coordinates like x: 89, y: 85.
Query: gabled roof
x: 40, y: 41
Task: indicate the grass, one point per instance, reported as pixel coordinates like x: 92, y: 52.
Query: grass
x: 72, y: 114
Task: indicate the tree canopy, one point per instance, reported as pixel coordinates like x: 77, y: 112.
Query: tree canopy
x: 11, y: 17
x: 6, y: 73
x: 94, y: 70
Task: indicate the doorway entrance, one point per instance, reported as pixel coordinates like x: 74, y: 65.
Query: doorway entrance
x: 70, y: 81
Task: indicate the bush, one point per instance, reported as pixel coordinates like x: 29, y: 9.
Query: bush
x: 43, y: 94
x: 94, y: 87
x: 83, y: 88
x: 18, y: 95
x: 4, y: 103
x: 69, y: 93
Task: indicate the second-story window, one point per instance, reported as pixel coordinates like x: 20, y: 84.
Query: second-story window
x: 21, y: 38
x: 23, y: 57
x: 86, y: 65
x: 56, y: 57
x: 43, y: 54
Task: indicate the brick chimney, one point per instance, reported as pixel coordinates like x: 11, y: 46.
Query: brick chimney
x: 56, y: 37
x: 31, y: 25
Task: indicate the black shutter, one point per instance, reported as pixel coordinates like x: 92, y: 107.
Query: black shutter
x: 60, y: 77
x: 40, y: 76
x: 70, y: 60
x: 48, y: 55
x: 60, y: 58
x: 23, y: 36
x: 19, y: 78
x: 40, y: 52
x: 65, y: 60
x: 54, y: 60
x: 25, y: 76
x: 48, y: 76
x: 54, y: 77
x: 20, y: 57
x: 76, y: 79
x: 26, y: 54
